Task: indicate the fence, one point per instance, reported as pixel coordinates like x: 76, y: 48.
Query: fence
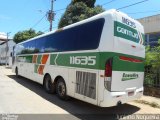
x: 152, y: 77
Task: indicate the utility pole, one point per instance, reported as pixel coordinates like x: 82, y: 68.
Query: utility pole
x: 7, y: 47
x: 50, y: 15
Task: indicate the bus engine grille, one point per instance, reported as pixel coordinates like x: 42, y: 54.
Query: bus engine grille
x: 86, y: 84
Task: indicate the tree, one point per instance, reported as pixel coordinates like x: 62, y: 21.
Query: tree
x: 153, y: 56
x: 26, y: 34
x: 152, y: 65
x: 79, y: 10
x: 89, y: 3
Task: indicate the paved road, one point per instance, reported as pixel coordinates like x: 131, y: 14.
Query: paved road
x: 22, y: 96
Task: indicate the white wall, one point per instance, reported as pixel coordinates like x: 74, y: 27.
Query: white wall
x: 3, y: 52
x: 151, y: 24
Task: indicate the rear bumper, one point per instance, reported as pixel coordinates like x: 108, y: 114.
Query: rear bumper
x: 113, y: 98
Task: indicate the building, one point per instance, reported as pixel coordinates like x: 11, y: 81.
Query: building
x: 6, y: 52
x: 152, y: 29
x: 3, y: 37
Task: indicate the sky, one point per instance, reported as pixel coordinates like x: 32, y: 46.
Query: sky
x: 19, y: 15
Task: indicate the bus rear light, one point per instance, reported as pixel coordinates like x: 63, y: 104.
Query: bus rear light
x: 133, y: 46
x: 129, y: 59
x: 108, y: 68
x: 108, y: 75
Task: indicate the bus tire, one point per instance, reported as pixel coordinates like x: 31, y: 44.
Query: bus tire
x: 48, y: 85
x: 61, y: 89
x: 16, y: 71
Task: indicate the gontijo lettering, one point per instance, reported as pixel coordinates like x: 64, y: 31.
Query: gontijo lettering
x: 127, y: 32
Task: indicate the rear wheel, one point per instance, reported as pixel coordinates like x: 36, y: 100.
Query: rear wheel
x: 61, y: 89
x: 48, y: 85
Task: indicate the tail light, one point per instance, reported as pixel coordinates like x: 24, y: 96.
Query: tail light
x: 108, y: 68
x: 129, y: 59
x: 108, y: 74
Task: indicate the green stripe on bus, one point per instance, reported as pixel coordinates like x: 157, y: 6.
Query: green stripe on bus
x: 52, y: 59
x: 39, y: 59
x: 120, y: 65
x: 64, y: 60
x: 100, y: 61
x: 36, y: 68
x: 101, y: 58
x: 29, y: 58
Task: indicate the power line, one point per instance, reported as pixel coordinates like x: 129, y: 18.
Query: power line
x: 60, y: 9
x: 108, y: 2
x: 132, y: 4
x: 38, y: 21
x: 143, y: 12
x: 50, y: 16
x: 101, y: 5
x: 66, y: 7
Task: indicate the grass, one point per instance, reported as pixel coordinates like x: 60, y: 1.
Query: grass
x: 152, y: 104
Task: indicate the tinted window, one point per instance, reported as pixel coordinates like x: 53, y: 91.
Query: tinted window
x: 19, y: 48
x: 40, y: 44
x: 81, y: 37
x: 26, y: 48
x: 29, y: 47
x: 62, y: 41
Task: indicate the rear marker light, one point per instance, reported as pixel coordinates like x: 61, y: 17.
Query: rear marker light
x: 129, y: 59
x: 133, y: 46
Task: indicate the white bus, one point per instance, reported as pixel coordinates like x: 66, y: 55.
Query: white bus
x: 99, y: 60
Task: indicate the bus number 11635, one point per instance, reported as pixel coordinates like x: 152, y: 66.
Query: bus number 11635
x: 83, y: 60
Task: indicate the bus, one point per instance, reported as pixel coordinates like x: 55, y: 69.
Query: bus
x: 99, y: 60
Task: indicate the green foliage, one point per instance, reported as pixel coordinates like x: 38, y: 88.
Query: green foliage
x: 149, y: 79
x: 79, y: 10
x: 152, y: 65
x: 149, y: 56
x: 153, y: 56
x: 25, y: 35
x: 89, y: 3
